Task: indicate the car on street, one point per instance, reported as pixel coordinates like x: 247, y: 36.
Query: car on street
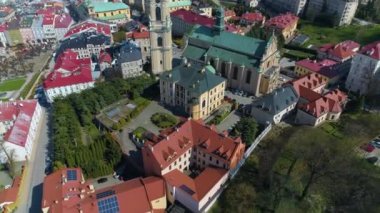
x: 367, y: 147
x: 102, y: 180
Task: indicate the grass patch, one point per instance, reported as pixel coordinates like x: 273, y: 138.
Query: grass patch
x: 296, y: 54
x: 12, y: 84
x: 29, y: 86
x: 164, y: 120
x: 322, y: 35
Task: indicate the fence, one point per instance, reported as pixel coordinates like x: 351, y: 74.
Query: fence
x: 249, y: 151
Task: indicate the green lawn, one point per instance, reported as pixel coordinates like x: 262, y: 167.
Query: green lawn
x: 321, y: 35
x: 296, y: 55
x: 12, y: 84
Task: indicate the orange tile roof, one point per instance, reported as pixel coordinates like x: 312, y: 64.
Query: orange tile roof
x: 10, y: 195
x: 310, y: 81
x: 189, y: 134
x: 199, y: 186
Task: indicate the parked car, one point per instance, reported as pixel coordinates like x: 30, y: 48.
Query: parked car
x: 102, y: 180
x: 367, y: 147
x: 376, y: 143
x: 372, y: 160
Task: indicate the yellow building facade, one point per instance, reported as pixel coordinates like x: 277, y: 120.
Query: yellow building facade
x: 116, y: 12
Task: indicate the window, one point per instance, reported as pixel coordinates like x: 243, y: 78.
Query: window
x: 212, y: 62
x: 210, y: 158
x: 236, y: 72
x: 159, y: 41
x: 203, y: 103
x: 248, y: 77
x: 224, y: 67
x: 158, y: 13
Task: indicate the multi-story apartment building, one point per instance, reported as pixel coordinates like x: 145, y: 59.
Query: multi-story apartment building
x: 364, y: 75
x: 71, y: 74
x: 284, y: 25
x: 116, y: 12
x: 193, y: 146
x: 194, y: 88
x: 61, y: 25
x: 38, y: 30
x: 26, y: 29
x: 343, y: 11
x: 48, y: 27
x: 142, y: 38
x: 242, y: 60
x: 19, y: 127
x: 294, y: 6
x: 129, y: 60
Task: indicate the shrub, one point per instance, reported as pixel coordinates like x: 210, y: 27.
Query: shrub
x: 164, y: 120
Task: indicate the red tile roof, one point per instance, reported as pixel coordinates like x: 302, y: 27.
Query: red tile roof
x: 21, y: 113
x: 48, y: 20
x: 3, y: 28
x: 316, y: 66
x: 192, y: 133
x: 199, y: 186
x: 193, y: 18
x: 138, y: 35
x: 69, y: 70
x: 87, y: 26
x: 104, y: 57
x: 60, y: 193
x: 372, y: 50
x: 331, y: 102
x: 253, y: 17
x: 10, y: 195
x: 343, y: 50
x: 282, y: 21
x: 229, y: 13
x: 62, y: 21
x: 310, y: 81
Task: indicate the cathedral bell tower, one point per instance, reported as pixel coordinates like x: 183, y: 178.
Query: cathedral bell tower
x: 160, y: 29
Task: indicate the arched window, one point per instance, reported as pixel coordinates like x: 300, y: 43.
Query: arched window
x: 236, y: 72
x: 203, y: 103
x: 248, y: 77
x: 159, y: 41
x: 212, y: 62
x: 158, y: 13
x: 224, y: 68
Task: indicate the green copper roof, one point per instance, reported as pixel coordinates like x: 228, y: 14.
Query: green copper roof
x: 114, y: 17
x: 231, y: 41
x: 194, y: 52
x: 179, y: 3
x: 233, y: 57
x: 100, y: 7
x: 197, y: 79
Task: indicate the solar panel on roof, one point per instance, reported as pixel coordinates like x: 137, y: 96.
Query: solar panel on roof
x: 108, y: 205
x: 72, y: 175
x: 105, y: 194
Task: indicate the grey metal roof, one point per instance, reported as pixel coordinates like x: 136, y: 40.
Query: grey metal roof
x: 128, y: 52
x: 277, y: 101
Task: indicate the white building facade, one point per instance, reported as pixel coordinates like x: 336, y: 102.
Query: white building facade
x: 63, y: 91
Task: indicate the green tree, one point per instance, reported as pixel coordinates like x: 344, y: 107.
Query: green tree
x: 246, y: 128
x: 240, y: 198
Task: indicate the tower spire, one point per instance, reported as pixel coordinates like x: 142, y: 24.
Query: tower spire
x: 219, y: 23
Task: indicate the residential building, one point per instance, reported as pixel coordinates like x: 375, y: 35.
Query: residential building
x: 129, y: 60
x: 327, y: 107
x: 66, y: 190
x: 196, y: 146
x: 104, y: 61
x: 251, y: 3
x: 364, y: 75
x: 309, y: 87
x: 241, y: 60
x: 325, y: 67
x: 342, y: 11
x: 205, y: 10
x: 26, y: 30
x: 8, y: 196
x: 19, y: 128
x: 296, y: 7
x: 6, y: 14
x: 255, y: 18
x: 116, y: 12
x: 161, y: 54
x: 85, y: 44
x: 3, y: 37
x: 37, y: 28
x: 184, y: 20
x: 274, y: 107
x: 61, y: 25
x: 197, y: 194
x: 341, y: 52
x: 194, y: 88
x: 71, y: 74
x: 284, y: 25
x: 91, y: 26
x: 142, y: 38
x: 48, y: 27
x: 229, y: 14
x: 13, y: 33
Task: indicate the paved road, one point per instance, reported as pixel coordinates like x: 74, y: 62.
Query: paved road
x: 30, y: 200
x: 229, y: 122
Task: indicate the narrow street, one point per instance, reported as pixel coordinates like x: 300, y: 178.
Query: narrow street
x: 30, y: 199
